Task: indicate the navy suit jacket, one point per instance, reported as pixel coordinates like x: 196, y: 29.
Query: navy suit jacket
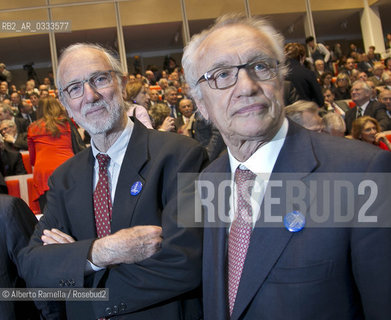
x: 316, y: 273
x: 374, y: 109
x: 156, y: 287
x: 16, y: 226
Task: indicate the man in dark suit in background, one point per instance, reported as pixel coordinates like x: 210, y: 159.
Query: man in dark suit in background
x: 361, y: 95
x: 186, y: 109
x: 11, y: 163
x: 257, y: 268
x: 16, y: 226
x: 14, y: 139
x: 123, y: 235
x: 304, y: 80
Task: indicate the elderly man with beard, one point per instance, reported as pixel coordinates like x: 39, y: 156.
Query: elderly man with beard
x: 266, y: 253
x: 111, y: 219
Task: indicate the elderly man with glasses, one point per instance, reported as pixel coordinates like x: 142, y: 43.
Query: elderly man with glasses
x: 267, y: 253
x: 111, y: 219
x: 13, y: 139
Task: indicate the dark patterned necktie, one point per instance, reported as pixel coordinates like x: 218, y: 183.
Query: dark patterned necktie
x: 102, y: 198
x: 359, y: 112
x: 239, y: 236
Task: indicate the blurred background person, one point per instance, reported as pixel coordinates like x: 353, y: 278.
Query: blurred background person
x: 385, y: 98
x: 183, y: 122
x: 5, y: 75
x: 363, y: 76
x: 14, y: 140
x: 367, y: 129
x: 330, y: 105
x: 49, y: 145
x: 160, y: 116
x: 378, y: 69
x: 319, y: 69
x: 387, y: 63
x: 305, y: 113
x: 4, y: 91
x: 304, y: 80
x: 136, y: 94
x: 342, y: 87
x: 11, y: 163
x: 326, y: 80
x: 317, y: 51
x: 26, y: 111
x: 334, y: 124
x: 153, y: 97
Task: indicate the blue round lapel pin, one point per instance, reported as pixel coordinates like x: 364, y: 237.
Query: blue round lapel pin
x: 294, y: 221
x: 136, y: 188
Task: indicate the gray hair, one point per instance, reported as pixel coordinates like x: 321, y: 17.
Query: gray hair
x: 170, y: 89
x: 364, y: 84
x: 6, y: 109
x: 8, y: 122
x: 296, y: 110
x: 332, y: 123
x: 383, y: 93
x: 113, y: 61
x: 262, y: 25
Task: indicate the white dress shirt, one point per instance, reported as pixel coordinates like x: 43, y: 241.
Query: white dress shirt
x: 261, y: 163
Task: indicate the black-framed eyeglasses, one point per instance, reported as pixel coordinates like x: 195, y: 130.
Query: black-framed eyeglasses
x: 225, y: 77
x: 98, y: 80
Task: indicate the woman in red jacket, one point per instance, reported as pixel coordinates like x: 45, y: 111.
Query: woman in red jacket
x: 368, y: 130
x: 49, y: 143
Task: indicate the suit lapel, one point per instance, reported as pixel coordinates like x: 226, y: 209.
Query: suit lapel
x: 215, y: 251
x: 79, y: 198
x: 135, y: 157
x: 267, y: 244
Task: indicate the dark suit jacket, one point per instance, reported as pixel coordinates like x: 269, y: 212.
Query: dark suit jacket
x: 178, y: 122
x: 154, y: 288
x: 316, y: 273
x: 16, y: 226
x: 20, y: 143
x: 33, y: 117
x: 374, y: 109
x: 290, y: 93
x: 21, y: 124
x: 305, y: 82
x: 12, y: 163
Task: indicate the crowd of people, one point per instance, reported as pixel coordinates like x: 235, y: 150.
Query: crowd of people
x: 117, y: 215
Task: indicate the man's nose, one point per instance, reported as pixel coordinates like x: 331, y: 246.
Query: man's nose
x: 90, y: 92
x: 245, y: 84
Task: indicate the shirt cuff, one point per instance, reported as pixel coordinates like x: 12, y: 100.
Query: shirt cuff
x: 90, y: 267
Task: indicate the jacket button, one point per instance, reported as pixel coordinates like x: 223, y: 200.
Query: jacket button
x: 108, y: 311
x: 122, y: 306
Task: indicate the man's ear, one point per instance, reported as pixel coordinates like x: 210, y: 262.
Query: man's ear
x: 201, y: 108
x: 124, y: 81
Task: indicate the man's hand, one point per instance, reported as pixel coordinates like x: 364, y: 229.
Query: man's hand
x: 128, y: 245
x: 55, y: 236
x: 9, y: 138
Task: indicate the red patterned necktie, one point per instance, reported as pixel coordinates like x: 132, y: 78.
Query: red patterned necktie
x: 239, y: 236
x: 102, y: 198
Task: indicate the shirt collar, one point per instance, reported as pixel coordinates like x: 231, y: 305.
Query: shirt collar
x: 263, y: 160
x: 364, y: 106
